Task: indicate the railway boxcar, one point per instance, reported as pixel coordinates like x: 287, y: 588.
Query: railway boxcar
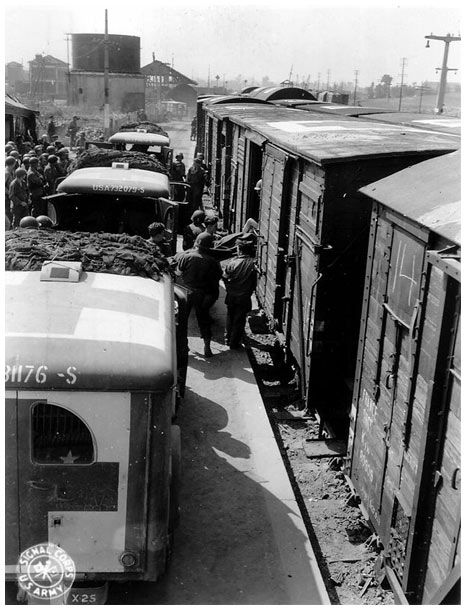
x: 314, y: 230
x: 228, y: 157
x: 404, y: 445
x: 204, y: 133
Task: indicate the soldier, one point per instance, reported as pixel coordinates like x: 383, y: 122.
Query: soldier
x: 240, y: 278
x: 200, y: 274
x: 195, y: 228
x: 73, y: 129
x: 19, y: 197
x: 36, y: 186
x: 51, y: 130
x: 196, y: 180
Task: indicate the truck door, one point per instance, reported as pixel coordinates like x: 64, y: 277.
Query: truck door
x: 169, y: 214
x: 73, y: 463
x: 12, y: 548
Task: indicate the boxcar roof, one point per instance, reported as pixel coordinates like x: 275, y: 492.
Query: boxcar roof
x: 434, y: 122
x: 329, y: 139
x: 280, y: 93
x: 344, y: 109
x: 428, y: 192
x: 300, y: 103
x: 111, y: 332
x: 115, y: 180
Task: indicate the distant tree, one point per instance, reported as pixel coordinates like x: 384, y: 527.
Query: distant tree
x: 386, y: 81
x: 266, y: 82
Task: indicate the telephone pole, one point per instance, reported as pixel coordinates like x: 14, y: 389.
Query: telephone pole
x: 356, y: 73
x: 403, y: 63
x: 106, y: 81
x: 68, y: 87
x: 444, y: 69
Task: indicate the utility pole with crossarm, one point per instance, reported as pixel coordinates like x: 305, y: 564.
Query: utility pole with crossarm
x: 444, y: 69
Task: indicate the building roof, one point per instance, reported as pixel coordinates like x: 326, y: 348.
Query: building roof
x: 48, y: 59
x: 14, y: 106
x: 158, y: 68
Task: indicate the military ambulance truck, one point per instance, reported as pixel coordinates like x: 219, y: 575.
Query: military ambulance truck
x: 92, y: 377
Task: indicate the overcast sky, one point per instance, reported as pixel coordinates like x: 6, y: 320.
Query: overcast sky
x: 254, y: 38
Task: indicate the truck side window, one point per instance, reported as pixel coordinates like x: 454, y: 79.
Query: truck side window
x: 59, y: 436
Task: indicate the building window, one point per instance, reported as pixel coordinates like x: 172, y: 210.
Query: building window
x: 59, y: 436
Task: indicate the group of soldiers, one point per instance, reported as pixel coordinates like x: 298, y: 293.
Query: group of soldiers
x: 31, y: 173
x: 197, y: 177
x: 199, y: 271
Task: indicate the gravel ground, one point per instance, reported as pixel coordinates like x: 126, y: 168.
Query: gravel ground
x: 343, y: 542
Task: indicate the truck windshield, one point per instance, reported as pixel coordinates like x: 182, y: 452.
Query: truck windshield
x: 95, y: 213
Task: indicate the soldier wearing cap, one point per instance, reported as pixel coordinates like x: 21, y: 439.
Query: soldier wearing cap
x: 240, y: 277
x: 196, y: 179
x: 195, y: 228
x: 200, y: 274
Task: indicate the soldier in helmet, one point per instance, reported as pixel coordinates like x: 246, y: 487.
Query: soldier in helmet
x: 200, y: 274
x: 36, y: 185
x: 52, y: 173
x: 10, y: 166
x: 51, y: 130
x: 29, y: 222
x: 73, y: 129
x: 19, y: 197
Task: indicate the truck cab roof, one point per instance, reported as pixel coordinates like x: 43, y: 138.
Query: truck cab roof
x: 104, y: 332
x: 118, y: 180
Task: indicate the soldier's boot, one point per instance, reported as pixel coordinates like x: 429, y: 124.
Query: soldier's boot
x: 207, y: 351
